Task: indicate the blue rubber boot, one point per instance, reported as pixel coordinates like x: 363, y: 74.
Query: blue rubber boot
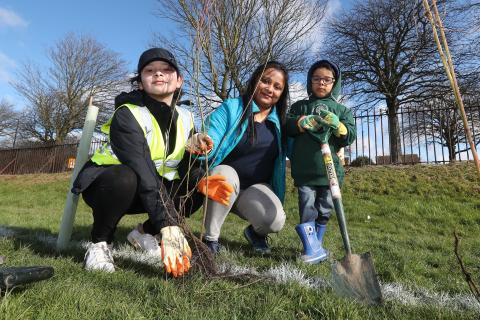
x: 312, y: 247
x: 320, y: 228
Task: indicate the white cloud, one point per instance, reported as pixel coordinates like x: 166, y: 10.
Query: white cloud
x: 9, y: 18
x: 318, y: 35
x: 298, y: 91
x: 5, y: 64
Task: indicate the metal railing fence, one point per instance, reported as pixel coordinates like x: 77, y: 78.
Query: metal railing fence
x: 426, y: 136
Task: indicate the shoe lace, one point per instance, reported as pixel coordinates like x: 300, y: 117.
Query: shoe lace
x: 214, y: 245
x: 267, y: 240
x: 102, y: 254
x: 264, y: 241
x: 260, y: 240
x: 109, y: 254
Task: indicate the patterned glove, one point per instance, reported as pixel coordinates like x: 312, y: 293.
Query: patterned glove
x: 199, y: 143
x: 311, y: 123
x: 219, y: 189
x: 341, y: 131
x: 330, y: 120
x: 176, y: 252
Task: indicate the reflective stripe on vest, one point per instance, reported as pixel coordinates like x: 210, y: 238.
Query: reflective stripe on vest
x: 166, y: 165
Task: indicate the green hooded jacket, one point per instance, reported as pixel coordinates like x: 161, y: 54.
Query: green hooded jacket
x: 308, y: 168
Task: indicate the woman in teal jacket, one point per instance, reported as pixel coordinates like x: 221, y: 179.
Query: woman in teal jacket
x: 249, y: 151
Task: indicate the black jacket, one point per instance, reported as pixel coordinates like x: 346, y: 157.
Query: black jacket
x: 131, y: 148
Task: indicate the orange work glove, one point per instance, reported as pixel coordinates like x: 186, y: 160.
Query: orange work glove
x: 176, y: 252
x: 219, y: 189
x: 199, y: 143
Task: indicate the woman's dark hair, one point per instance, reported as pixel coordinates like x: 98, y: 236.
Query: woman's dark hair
x: 134, y: 81
x: 281, y: 105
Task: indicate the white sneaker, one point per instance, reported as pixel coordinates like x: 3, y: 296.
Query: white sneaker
x: 99, y: 257
x: 145, y: 242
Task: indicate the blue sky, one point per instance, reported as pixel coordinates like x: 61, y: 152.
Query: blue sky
x: 29, y: 27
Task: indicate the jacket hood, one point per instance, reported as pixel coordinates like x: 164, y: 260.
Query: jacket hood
x: 134, y: 97
x: 337, y: 87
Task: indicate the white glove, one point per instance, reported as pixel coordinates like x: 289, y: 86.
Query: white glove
x: 199, y: 143
x: 176, y: 252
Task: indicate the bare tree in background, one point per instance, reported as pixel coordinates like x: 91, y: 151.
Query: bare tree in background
x: 80, y: 67
x: 439, y: 119
x: 221, y: 42
x: 388, y: 56
x: 469, y: 27
x: 8, y: 122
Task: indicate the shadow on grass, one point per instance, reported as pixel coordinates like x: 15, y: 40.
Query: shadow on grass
x: 13, y: 291
x: 279, y: 252
x: 42, y: 242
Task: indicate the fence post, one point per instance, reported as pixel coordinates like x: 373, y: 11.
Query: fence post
x: 52, y: 168
x: 15, y: 136
x: 15, y: 162
x: 71, y: 202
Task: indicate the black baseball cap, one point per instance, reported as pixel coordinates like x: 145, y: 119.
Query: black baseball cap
x: 155, y: 54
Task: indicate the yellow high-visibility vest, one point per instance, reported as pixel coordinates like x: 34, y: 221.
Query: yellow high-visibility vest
x: 166, y: 164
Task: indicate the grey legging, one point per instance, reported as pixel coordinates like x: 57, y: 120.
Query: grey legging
x: 257, y: 204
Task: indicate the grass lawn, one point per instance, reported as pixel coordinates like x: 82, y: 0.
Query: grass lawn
x: 413, y: 212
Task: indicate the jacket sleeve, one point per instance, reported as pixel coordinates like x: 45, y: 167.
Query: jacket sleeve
x: 346, y: 117
x: 217, y: 125
x: 130, y: 146
x: 190, y: 166
x: 292, y: 118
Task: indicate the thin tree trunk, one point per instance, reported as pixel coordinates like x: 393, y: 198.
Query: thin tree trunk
x: 451, y: 149
x: 394, y: 132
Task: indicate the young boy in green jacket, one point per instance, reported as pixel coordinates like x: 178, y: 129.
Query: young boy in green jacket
x: 306, y: 122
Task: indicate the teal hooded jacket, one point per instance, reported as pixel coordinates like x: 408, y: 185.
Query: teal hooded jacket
x: 308, y: 168
x: 223, y: 127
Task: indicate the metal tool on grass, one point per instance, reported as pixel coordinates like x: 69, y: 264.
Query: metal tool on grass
x: 15, y: 276
x: 354, y: 275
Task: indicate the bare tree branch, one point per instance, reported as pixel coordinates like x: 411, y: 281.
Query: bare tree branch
x: 388, y: 55
x: 80, y: 68
x: 468, y: 277
x: 234, y: 36
x: 8, y: 122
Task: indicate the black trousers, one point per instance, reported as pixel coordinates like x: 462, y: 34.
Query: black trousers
x: 113, y: 194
